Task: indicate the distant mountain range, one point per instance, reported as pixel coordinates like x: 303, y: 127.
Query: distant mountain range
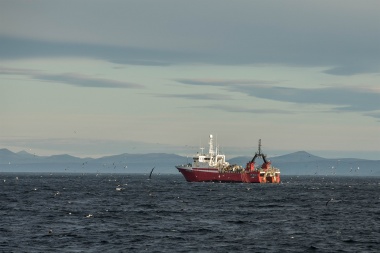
x: 304, y: 163
x: 298, y: 163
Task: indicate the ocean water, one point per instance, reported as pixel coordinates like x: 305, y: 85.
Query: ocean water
x: 129, y: 213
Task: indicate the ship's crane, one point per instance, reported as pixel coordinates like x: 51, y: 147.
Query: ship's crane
x: 251, y: 164
x: 259, y: 154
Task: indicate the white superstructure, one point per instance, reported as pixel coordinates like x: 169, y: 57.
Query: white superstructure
x: 212, y: 160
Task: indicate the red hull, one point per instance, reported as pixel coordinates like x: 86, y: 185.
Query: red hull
x: 230, y: 177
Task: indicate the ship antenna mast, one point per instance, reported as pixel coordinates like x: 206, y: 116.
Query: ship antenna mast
x: 259, y: 147
x: 211, y: 149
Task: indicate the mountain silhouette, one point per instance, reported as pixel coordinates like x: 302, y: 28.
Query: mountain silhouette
x: 297, y: 163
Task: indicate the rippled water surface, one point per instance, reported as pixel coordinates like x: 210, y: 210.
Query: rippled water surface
x: 129, y: 213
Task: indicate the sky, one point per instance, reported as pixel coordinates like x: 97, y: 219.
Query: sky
x: 95, y: 78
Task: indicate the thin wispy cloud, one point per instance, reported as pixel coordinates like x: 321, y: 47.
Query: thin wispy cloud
x: 17, y: 48
x: 80, y: 80
x: 17, y: 71
x: 197, y: 96
x: 374, y: 115
x: 344, y: 98
x: 341, y: 98
x: 241, y: 109
x: 74, y: 79
x: 222, y: 82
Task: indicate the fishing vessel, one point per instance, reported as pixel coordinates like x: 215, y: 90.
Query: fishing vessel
x: 213, y: 167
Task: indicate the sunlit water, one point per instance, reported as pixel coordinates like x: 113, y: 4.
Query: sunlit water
x: 129, y: 213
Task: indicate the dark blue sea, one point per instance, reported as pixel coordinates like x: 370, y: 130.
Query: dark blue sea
x: 129, y: 213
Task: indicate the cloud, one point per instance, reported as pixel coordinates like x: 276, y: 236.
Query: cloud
x: 86, y: 81
x: 343, y: 38
x: 227, y: 85
x: 240, y: 109
x: 197, y: 96
x: 374, y: 115
x: 353, y: 68
x: 343, y: 99
x: 222, y: 82
x: 21, y: 48
x: 74, y: 79
x: 17, y: 71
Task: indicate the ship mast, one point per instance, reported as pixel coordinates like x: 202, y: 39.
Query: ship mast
x: 259, y: 146
x: 211, y: 149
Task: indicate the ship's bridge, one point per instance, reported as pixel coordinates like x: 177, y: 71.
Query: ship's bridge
x: 212, y: 159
